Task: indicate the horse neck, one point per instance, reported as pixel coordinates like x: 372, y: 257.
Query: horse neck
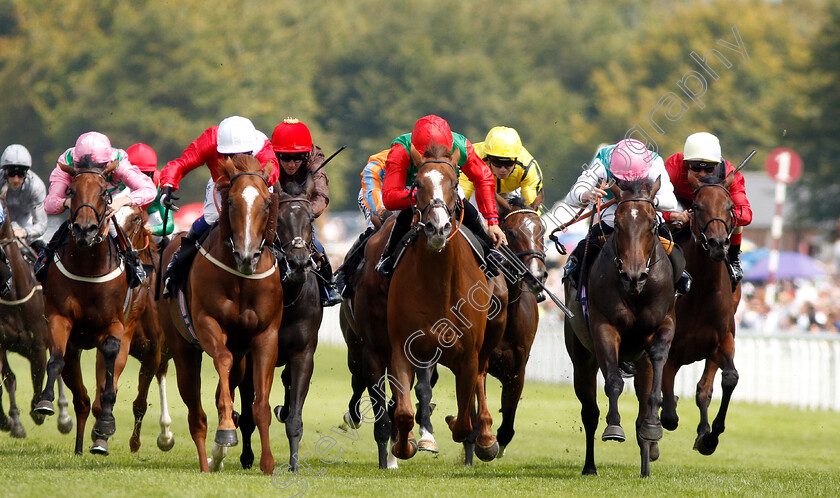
x: 704, y: 270
x: 22, y: 277
x: 95, y: 260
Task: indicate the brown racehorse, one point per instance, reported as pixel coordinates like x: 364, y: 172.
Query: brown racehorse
x: 712, y: 338
x: 24, y: 331
x: 302, y: 315
x: 439, y: 273
x: 84, y: 294
x: 235, y: 298
x: 524, y: 230
x: 631, y: 312
x: 147, y: 343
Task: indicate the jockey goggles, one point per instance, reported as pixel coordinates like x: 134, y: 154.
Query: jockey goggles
x: 502, y: 162
x: 15, y: 171
x: 287, y: 158
x: 697, y: 166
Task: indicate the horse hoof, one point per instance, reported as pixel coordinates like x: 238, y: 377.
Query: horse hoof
x: 100, y: 447
x: 590, y: 471
x: 502, y: 449
x: 65, y: 424
x: 45, y: 407
x: 246, y: 460
x: 281, y: 413
x: 670, y: 423
x: 409, y: 452
x: 654, y: 452
x: 429, y: 445
x: 164, y: 443
x: 706, y: 444
x: 449, y: 419
x: 487, y: 453
x: 215, y: 467
x: 226, y: 437
x: 613, y: 433
x: 38, y: 418
x: 18, y: 431
x: 348, y: 423
x: 651, y: 432
x: 5, y: 424
x: 105, y: 426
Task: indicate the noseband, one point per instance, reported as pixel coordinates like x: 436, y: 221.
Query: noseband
x: 528, y: 254
x: 701, y: 238
x: 434, y: 203
x: 100, y: 217
x: 619, y: 264
x: 296, y: 243
x: 231, y: 180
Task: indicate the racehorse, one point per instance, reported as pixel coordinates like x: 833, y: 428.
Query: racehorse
x: 302, y: 313
x: 712, y: 338
x: 442, y: 268
x: 524, y: 230
x: 147, y: 343
x: 235, y: 299
x: 630, y: 292
x: 24, y: 331
x: 85, y: 290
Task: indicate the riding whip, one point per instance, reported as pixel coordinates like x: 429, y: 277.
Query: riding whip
x: 522, y: 269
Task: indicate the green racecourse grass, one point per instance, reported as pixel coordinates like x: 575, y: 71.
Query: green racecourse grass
x: 765, y: 450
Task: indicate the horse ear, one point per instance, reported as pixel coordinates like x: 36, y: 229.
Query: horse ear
x: 692, y: 180
x: 456, y: 157
x: 504, y: 205
x: 615, y: 189
x: 70, y: 170
x: 728, y: 181
x: 266, y: 173
x: 4, y: 191
x: 655, y: 187
x: 538, y: 201
x: 228, y: 167
x: 110, y: 167
x: 309, y: 186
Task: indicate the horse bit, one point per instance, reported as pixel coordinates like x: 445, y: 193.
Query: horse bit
x: 702, y: 239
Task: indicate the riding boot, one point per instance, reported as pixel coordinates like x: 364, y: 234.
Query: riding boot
x: 570, y: 270
x: 683, y: 283
x: 176, y: 271
x: 385, y: 266
x: 328, y: 291
x: 45, y: 257
x: 734, y: 266
x: 5, y: 274
x: 344, y: 277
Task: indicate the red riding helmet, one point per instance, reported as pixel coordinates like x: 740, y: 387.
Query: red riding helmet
x: 142, y: 156
x: 430, y: 129
x: 291, y: 136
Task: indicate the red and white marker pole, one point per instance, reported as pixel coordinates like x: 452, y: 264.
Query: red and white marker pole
x: 784, y: 166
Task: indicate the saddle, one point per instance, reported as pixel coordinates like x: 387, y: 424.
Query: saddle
x: 175, y: 276
x: 411, y: 237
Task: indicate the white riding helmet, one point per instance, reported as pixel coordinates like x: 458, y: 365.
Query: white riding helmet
x: 237, y: 135
x: 702, y: 147
x: 16, y: 155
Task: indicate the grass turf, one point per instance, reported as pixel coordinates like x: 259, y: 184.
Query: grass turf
x: 765, y: 450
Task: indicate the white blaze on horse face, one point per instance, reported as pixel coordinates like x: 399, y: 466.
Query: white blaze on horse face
x: 249, y: 194
x: 440, y: 216
x: 634, y: 213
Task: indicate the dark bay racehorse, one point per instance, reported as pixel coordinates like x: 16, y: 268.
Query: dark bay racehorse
x: 235, y: 299
x: 84, y: 294
x: 631, y: 312
x: 24, y: 331
x: 147, y: 344
x: 712, y: 337
x: 302, y: 313
x: 437, y: 273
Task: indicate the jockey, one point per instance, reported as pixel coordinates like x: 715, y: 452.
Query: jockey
x: 127, y: 185
x: 370, y: 202
x: 632, y: 161
x: 401, y: 166
x: 234, y: 135
x: 298, y: 158
x: 701, y: 155
x: 144, y: 157
x: 514, y: 168
x: 24, y: 197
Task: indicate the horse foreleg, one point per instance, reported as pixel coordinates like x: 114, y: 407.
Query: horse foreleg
x: 585, y: 376
x: 643, y: 381
x: 111, y: 349
x: 149, y: 363
x: 423, y: 390
x: 300, y: 366
x: 512, y: 385
x: 37, y: 369
x: 5, y: 422
x: 215, y: 345
x: 72, y: 375
x: 606, y: 345
x: 465, y: 381
x: 729, y: 379
x: 402, y: 371
x: 246, y: 414
x: 651, y: 429
x: 487, y: 448
x: 281, y: 412
x: 264, y: 357
x: 165, y: 440
x: 65, y: 421
x: 704, y: 398
x: 9, y: 379
x: 58, y: 333
x: 187, y: 361
x: 374, y: 374
x: 670, y: 419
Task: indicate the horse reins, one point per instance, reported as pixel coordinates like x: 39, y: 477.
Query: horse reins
x: 528, y: 254
x: 702, y: 239
x: 435, y: 203
x: 650, y: 262
x: 100, y: 218
x: 296, y: 242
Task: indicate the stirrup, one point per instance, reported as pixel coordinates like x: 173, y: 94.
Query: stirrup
x: 384, y: 266
x: 683, y: 285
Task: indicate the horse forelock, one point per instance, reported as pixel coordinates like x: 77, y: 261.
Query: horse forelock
x: 635, y: 188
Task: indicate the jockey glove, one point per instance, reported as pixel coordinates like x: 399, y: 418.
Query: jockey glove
x: 168, y: 198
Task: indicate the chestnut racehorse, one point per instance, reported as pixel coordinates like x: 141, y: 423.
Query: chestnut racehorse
x: 302, y: 315
x: 712, y: 338
x: 84, y: 294
x: 24, y: 331
x: 440, y: 273
x: 631, y: 312
x: 147, y: 344
x: 235, y: 299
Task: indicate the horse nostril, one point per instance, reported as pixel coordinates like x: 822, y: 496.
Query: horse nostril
x: 447, y: 227
x: 643, y: 277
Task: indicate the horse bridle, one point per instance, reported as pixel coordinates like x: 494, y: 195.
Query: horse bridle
x: 528, y: 254
x: 231, y: 180
x: 100, y: 217
x: 619, y: 264
x: 296, y: 243
x: 434, y: 203
x: 701, y: 238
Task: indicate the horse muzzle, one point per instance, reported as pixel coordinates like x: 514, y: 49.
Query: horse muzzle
x: 246, y: 264
x: 436, y: 234
x: 86, y: 236
x: 634, y: 282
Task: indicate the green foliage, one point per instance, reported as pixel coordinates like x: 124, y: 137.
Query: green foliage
x: 567, y: 75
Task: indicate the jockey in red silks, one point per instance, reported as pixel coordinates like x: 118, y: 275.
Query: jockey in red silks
x: 234, y: 135
x: 145, y: 158
x: 401, y: 167
x: 702, y: 155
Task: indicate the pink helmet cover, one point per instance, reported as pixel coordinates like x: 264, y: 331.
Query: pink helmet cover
x: 94, y: 144
x: 630, y: 160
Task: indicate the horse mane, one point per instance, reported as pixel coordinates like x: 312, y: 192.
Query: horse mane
x: 294, y: 189
x: 637, y: 188
x: 517, y: 201
x: 437, y: 150
x: 87, y: 162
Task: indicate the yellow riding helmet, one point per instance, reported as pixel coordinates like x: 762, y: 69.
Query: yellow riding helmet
x: 502, y: 141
